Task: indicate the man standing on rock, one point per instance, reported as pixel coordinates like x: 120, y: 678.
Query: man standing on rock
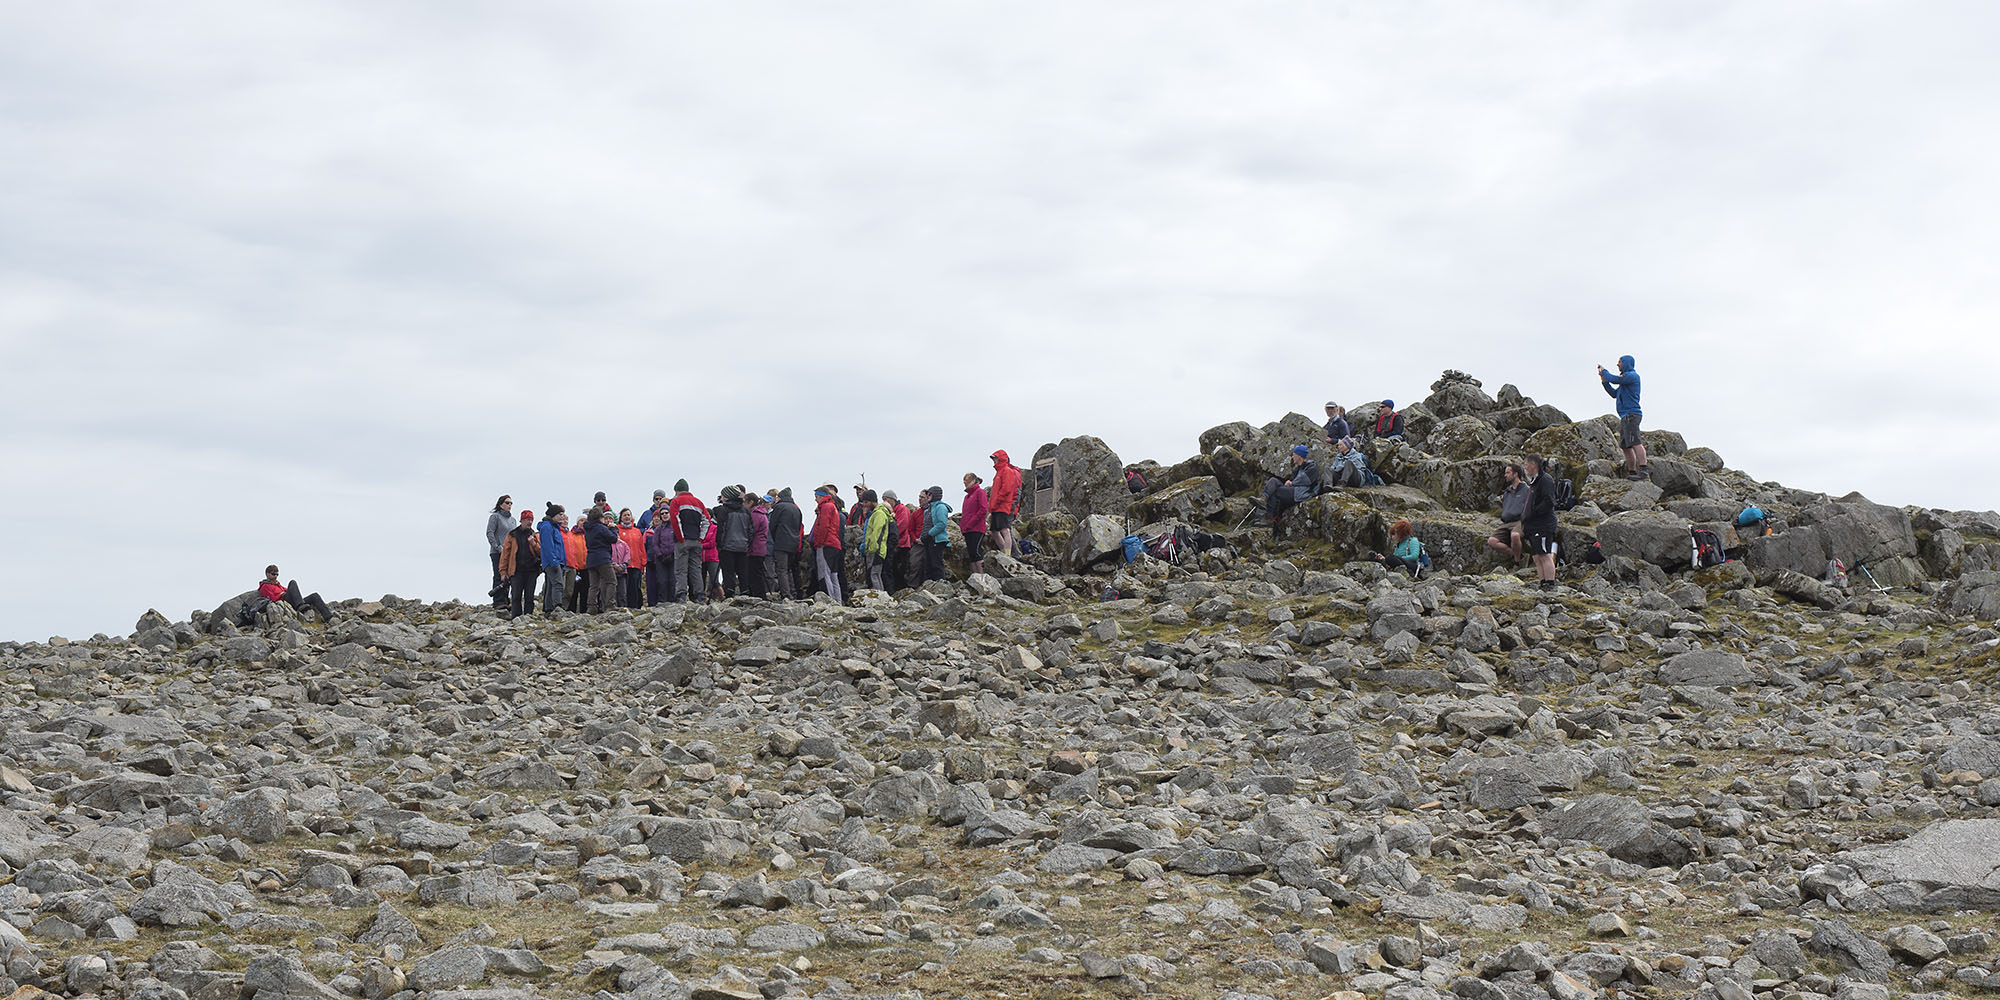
x: 688, y: 517
x: 1624, y: 387
x: 1005, y: 500
x: 1281, y: 495
x: 1538, y: 521
x: 1506, y: 539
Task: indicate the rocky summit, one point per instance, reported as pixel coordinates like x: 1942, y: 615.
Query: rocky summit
x: 1267, y: 770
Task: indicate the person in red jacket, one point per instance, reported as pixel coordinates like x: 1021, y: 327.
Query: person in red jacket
x: 1005, y: 503
x: 691, y: 521
x: 271, y: 591
x: 829, y: 558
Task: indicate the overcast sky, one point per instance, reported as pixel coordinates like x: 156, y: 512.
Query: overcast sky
x: 313, y: 283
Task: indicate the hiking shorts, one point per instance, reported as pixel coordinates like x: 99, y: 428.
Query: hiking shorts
x: 1504, y: 534
x: 1536, y: 543
x: 999, y: 522
x: 1628, y: 431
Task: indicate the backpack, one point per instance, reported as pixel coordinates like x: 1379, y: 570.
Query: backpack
x: 1707, y: 548
x: 693, y: 523
x: 1134, y: 481
x: 1369, y: 478
x: 1135, y: 548
x: 1594, y: 555
x: 1565, y: 494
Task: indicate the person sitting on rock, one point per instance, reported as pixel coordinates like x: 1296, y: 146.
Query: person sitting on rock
x: 1408, y: 553
x: 1336, y: 422
x: 1506, y: 538
x: 1538, y: 520
x: 270, y: 592
x: 1303, y: 484
x: 1388, y: 423
x: 1349, y: 467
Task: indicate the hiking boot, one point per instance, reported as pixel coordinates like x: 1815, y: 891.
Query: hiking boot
x: 1549, y: 585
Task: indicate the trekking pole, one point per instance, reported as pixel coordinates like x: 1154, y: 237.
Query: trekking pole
x: 1863, y: 567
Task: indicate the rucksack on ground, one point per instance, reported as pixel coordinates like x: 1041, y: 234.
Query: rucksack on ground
x: 1565, y: 494
x: 1706, y: 548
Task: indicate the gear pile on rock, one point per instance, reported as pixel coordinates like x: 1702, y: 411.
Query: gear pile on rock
x: 1269, y: 771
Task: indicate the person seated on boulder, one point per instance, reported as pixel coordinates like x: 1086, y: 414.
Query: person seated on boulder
x: 1336, y: 422
x: 1408, y: 553
x: 271, y: 592
x: 1506, y: 538
x: 1303, y: 484
x: 1349, y: 467
x: 1388, y: 423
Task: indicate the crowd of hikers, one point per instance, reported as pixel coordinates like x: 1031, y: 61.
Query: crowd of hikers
x: 679, y: 548
x: 754, y: 543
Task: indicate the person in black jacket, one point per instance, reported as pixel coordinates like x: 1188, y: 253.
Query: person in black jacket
x: 1336, y: 423
x: 1538, y: 520
x: 1303, y: 484
x: 732, y: 541
x: 598, y: 537
x: 788, y: 530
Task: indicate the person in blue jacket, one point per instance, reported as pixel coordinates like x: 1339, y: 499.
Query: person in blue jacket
x: 555, y: 567
x: 937, y: 516
x: 1624, y: 387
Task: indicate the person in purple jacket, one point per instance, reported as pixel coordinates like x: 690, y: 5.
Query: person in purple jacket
x: 760, y: 543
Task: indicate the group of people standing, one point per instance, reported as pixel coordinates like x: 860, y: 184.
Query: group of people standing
x: 754, y: 544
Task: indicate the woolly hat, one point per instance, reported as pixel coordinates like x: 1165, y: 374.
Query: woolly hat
x: 1301, y: 450
x: 785, y: 494
x: 680, y: 486
x: 890, y: 495
x: 1388, y: 404
x: 659, y: 494
x: 731, y: 493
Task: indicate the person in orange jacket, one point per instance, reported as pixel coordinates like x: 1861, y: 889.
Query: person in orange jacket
x: 576, y: 553
x: 830, y: 559
x: 1005, y: 497
x: 632, y: 586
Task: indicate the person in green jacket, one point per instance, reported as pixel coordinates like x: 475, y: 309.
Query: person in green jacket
x: 878, y: 539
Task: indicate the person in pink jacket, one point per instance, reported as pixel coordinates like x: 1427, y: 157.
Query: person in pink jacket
x: 972, y: 522
x: 760, y: 543
x: 711, y: 563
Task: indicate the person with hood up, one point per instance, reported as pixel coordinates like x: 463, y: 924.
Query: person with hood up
x: 688, y: 517
x: 1624, y: 387
x: 827, y: 553
x: 711, y: 558
x: 498, y: 524
x: 1281, y: 495
x: 598, y: 539
x: 788, y: 540
x: 1004, y: 502
x: 732, y: 541
x: 878, y: 542
x: 937, y: 534
x: 632, y: 584
x: 760, y: 546
x: 520, y: 561
x: 972, y: 522
x: 577, y: 554
x: 555, y: 559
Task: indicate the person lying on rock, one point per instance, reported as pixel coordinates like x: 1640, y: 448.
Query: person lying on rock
x: 1303, y: 484
x: 270, y: 591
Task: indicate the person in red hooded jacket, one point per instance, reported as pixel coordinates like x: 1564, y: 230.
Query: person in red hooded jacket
x: 1004, y: 503
x: 832, y: 561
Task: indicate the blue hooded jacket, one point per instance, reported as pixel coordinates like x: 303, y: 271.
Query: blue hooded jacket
x: 1624, y: 387
x: 552, y: 544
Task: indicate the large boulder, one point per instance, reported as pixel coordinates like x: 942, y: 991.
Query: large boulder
x: 1874, y: 535
x: 1089, y: 477
x: 1652, y: 536
x: 1456, y: 540
x: 1097, y: 539
x: 1457, y: 399
x: 1577, y: 444
x: 1674, y: 477
x: 1716, y: 668
x: 1344, y: 521
x: 1461, y: 437
x: 1528, y: 417
x: 1958, y: 861
x: 1623, y: 828
x: 1192, y: 500
x: 1796, y: 550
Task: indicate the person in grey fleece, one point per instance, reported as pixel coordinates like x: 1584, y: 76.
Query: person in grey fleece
x: 498, y: 524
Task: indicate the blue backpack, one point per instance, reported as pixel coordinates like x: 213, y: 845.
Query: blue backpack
x: 1135, y: 548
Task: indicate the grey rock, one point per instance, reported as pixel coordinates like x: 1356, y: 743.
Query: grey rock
x: 1623, y: 828
x: 1855, y: 951
x: 257, y: 816
x: 1706, y: 668
x: 783, y: 937
x: 456, y: 965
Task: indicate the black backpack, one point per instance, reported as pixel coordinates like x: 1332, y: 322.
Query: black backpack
x: 1707, y: 548
x: 1565, y: 490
